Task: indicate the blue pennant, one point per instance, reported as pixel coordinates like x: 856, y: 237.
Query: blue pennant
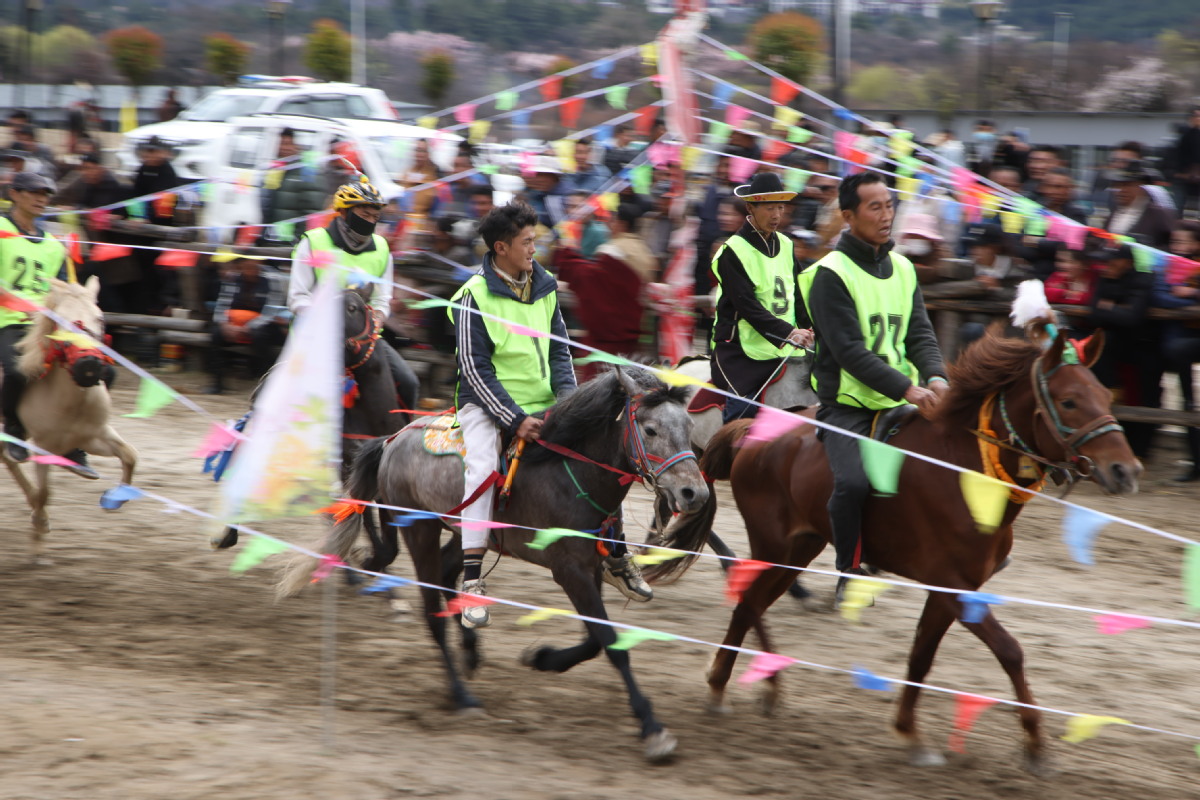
x: 865, y: 679
x: 975, y: 605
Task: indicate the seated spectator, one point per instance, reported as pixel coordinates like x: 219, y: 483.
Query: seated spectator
x: 1057, y: 190
x: 995, y: 266
x: 1181, y: 340
x: 40, y: 159
x: 922, y: 243
x: 1134, y: 214
x: 480, y: 201
x: 291, y: 190
x: 243, y: 315
x: 621, y: 152
x: 804, y: 245
x: 545, y: 191
x: 1073, y: 281
x: 1119, y: 159
x: 588, y: 176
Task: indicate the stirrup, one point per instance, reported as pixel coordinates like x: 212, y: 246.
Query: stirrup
x: 475, y: 616
x: 623, y: 573
x: 81, y: 466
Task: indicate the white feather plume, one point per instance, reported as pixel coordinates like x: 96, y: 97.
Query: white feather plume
x: 1030, y: 304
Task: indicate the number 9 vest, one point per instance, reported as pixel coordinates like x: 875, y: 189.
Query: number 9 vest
x: 774, y: 288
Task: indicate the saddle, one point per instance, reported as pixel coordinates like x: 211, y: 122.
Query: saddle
x: 443, y: 437
x: 889, y: 421
x: 706, y: 399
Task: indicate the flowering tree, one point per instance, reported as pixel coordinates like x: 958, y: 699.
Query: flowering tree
x: 788, y: 43
x: 1146, y: 85
x: 225, y: 56
x: 136, y: 53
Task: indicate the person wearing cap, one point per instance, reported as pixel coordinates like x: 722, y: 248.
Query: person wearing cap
x: 545, y: 192
x: 351, y: 243
x: 29, y: 259
x: 1134, y: 213
x: 875, y: 347
x: 757, y: 319
x: 804, y: 243
x: 244, y: 293
x: 921, y: 242
x: 995, y: 266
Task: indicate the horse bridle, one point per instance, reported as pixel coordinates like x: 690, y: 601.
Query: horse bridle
x: 368, y: 335
x: 648, y: 467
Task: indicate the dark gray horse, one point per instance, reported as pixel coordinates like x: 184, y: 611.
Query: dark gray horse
x: 603, y: 421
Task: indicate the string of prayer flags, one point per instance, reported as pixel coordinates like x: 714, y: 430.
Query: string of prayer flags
x: 1113, y: 624
x: 798, y: 135
x: 860, y: 593
x: 882, y: 463
x: 257, y: 550
x: 632, y: 637
x: 102, y: 251
x: 385, y: 583
x: 785, y: 117
x: 177, y: 258
x: 657, y: 555
x: 465, y: 114
x: 603, y: 68
x: 551, y: 88
x: 569, y: 111
x: 764, y: 665
x: 329, y: 563
x: 1191, y: 575
x: 541, y: 615
x: 478, y: 130
x: 430, y: 123
x: 114, y: 498
x: 219, y: 438
x: 783, y: 91
x: 741, y: 576
x: 152, y: 395
x: 865, y: 679
x: 735, y: 115
x: 1080, y: 526
x: 1088, y: 726
x: 986, y: 498
x: 771, y: 423
x: 649, y: 54
x: 975, y: 605
x: 617, y: 97
x: 464, y: 601
x: 548, y: 536
x: 967, y: 708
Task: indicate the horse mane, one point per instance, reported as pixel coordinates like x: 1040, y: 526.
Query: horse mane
x: 596, y: 405
x: 994, y: 363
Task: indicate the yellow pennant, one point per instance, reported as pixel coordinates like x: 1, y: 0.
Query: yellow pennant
x: 1011, y: 221
x: 673, y: 378
x: 70, y: 337
x: 860, y: 593
x: 786, y: 117
x: 565, y: 150
x: 479, y: 130
x: 987, y: 498
x: 541, y: 615
x: 650, y: 54
x: 1086, y: 726
x: 609, y: 201
x: 428, y: 122
x: 688, y: 158
x: 907, y: 185
x: 657, y: 555
x: 990, y: 204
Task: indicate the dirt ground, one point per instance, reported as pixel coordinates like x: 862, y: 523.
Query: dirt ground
x: 136, y: 666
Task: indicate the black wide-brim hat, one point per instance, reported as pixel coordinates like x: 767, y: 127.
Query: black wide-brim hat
x: 764, y: 187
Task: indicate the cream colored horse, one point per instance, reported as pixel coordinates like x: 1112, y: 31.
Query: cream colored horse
x: 59, y: 415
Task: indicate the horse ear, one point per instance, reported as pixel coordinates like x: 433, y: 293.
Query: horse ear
x: 1054, y: 353
x: 1091, y: 348
x: 93, y: 287
x: 627, y: 382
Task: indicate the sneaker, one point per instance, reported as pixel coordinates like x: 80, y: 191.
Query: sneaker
x: 475, y: 616
x: 840, y: 595
x: 623, y: 573
x: 81, y: 468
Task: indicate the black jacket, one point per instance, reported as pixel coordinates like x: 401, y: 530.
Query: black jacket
x: 738, y: 300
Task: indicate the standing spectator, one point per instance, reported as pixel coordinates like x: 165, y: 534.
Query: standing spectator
x: 423, y: 172
x: 1042, y: 159
x: 460, y: 188
x: 1181, y: 340
x: 621, y: 152
x: 948, y: 147
x: 291, y: 189
x: 480, y: 201
x: 154, y: 177
x: 981, y: 147
x: 1073, y: 282
x: 93, y: 186
x: 238, y: 318
x: 83, y: 119
x: 545, y: 192
x: 1057, y: 191
x: 657, y: 226
x: 1119, y: 159
x: 743, y: 141
x: 717, y: 188
x: 1187, y: 163
x: 922, y: 243
x: 995, y: 266
x: 1006, y: 177
x: 40, y: 159
x: 170, y: 107
x: 1134, y: 214
x: 588, y: 176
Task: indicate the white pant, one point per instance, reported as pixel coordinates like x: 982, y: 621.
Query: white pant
x: 481, y: 436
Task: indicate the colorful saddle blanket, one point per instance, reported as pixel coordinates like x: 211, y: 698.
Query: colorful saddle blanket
x: 442, y: 436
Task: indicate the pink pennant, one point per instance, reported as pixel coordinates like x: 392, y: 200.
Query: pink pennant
x: 329, y: 563
x: 483, y: 524
x: 1119, y: 623
x: 1067, y: 232
x: 764, y: 665
x: 53, y: 461
x: 771, y: 423
x: 963, y: 179
x: 522, y: 330
x: 741, y: 575
x: 219, y: 438
x: 843, y: 144
x: 319, y: 259
x: 463, y: 601
x: 1179, y: 269
x: 967, y: 708
x: 465, y: 113
x: 740, y: 169
x: 735, y: 115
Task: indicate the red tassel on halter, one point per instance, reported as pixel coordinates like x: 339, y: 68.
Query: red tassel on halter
x: 349, y: 392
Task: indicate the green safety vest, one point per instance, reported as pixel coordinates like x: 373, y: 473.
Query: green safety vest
x: 373, y: 262
x: 26, y: 268
x: 884, y: 307
x: 773, y: 288
x: 520, y: 360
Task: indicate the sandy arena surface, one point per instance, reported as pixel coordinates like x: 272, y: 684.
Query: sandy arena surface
x: 136, y: 666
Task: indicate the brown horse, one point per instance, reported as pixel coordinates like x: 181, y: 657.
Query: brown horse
x: 1060, y: 419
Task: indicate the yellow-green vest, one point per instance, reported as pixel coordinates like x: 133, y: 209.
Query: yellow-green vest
x: 26, y: 269
x: 774, y: 288
x: 373, y: 262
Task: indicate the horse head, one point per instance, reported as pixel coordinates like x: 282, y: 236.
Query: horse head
x: 658, y: 439
x: 359, y: 325
x: 75, y: 303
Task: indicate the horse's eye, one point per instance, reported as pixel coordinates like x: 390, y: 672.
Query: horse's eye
x: 651, y: 432
x: 1068, y: 404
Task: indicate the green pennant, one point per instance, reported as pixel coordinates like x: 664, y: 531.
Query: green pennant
x: 1026, y: 207
x: 1036, y: 225
x: 548, y: 536
x: 798, y: 135
x: 602, y: 358
x: 617, y: 96
x: 719, y: 132
x: 734, y: 55
x: 641, y: 177
x: 152, y: 395
x: 1143, y: 259
x: 506, y: 101
x: 632, y: 637
x: 255, y: 552
x: 882, y: 464
x: 795, y: 180
x: 284, y: 231
x: 1191, y: 575
x: 489, y: 169
x: 431, y: 302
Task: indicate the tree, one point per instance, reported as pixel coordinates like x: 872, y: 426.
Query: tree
x: 437, y: 75
x: 1144, y: 86
x: 886, y: 86
x: 328, y: 51
x: 789, y: 43
x: 136, y: 53
x: 225, y: 56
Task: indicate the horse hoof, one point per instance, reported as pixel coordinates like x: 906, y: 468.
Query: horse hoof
x: 926, y: 757
x: 660, y: 746
x: 402, y: 610
x: 716, y: 705
x: 768, y: 702
x: 470, y: 712
x: 1037, y: 765
x: 529, y: 655
x: 226, y: 540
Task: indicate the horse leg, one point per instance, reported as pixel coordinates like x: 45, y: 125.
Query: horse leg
x: 109, y: 443
x: 41, y: 518
x: 724, y: 552
x: 386, y: 546
x: 452, y: 567
x: 422, y: 540
x: 939, y: 612
x: 1008, y: 652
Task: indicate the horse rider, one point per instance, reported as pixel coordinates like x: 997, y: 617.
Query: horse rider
x: 874, y: 348
x: 758, y: 322
x: 29, y: 259
x: 350, y: 241
x: 505, y: 378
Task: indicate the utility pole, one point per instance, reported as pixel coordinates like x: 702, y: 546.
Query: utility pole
x: 1062, y: 49
x: 358, y: 33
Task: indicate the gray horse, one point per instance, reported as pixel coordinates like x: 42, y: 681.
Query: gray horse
x: 619, y: 425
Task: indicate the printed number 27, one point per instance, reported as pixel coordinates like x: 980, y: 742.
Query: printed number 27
x: 880, y: 333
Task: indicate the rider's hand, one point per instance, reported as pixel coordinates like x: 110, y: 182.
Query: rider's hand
x: 530, y: 429
x: 924, y: 399
x: 801, y: 338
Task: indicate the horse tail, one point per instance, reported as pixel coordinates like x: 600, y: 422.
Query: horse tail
x: 363, y: 484
x: 691, y: 531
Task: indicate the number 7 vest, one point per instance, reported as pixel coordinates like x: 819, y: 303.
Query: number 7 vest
x: 774, y: 289
x: 884, y: 307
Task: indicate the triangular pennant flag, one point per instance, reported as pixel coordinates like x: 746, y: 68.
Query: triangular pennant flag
x: 1191, y: 575
x: 882, y: 464
x: 641, y: 176
x: 799, y: 135
x: 860, y: 593
x: 617, y: 96
x: 541, y: 615
x: 975, y: 605
x: 719, y: 132
x: 764, y: 665
x: 1011, y: 222
x: 967, y: 708
x: 462, y: 601
x: 735, y: 115
x: 524, y: 330
x: 645, y: 119
x: 865, y: 679
x: 783, y: 91
x: 465, y: 114
x: 107, y: 252
x: 603, y: 69
x: 548, y: 536
x: 688, y: 157
x: 551, y: 88
x: 177, y: 258
x: 219, y: 438
x: 631, y: 637
x: 384, y: 583
x: 430, y: 302
x: 795, y: 180
x: 771, y: 423
x: 740, y: 169
x: 649, y: 54
x: 1080, y: 526
x: 734, y: 55
x: 428, y: 122
x: 1143, y: 258
x: 674, y: 378
x: 506, y: 100
x: 329, y: 563
x: 1112, y: 624
x: 51, y: 460
x: 74, y: 251
x: 255, y: 552
x: 657, y: 555
x: 986, y: 498
x: 1086, y: 726
x: 284, y: 231
x: 114, y: 498
x: 742, y: 574
x: 569, y: 111
x: 609, y: 201
x: 602, y: 358
x: 15, y: 302
x: 152, y: 395
x: 785, y: 118
x: 479, y: 131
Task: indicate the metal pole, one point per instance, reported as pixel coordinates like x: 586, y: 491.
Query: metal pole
x: 358, y: 32
x: 987, y: 71
x: 841, y: 50
x: 1062, y: 44
x: 979, y: 58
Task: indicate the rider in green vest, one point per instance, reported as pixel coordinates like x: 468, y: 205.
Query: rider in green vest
x: 758, y: 321
x: 350, y: 243
x: 874, y: 348
x: 507, y: 376
x: 29, y: 259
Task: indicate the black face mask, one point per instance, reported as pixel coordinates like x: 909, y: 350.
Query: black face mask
x: 361, y: 226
